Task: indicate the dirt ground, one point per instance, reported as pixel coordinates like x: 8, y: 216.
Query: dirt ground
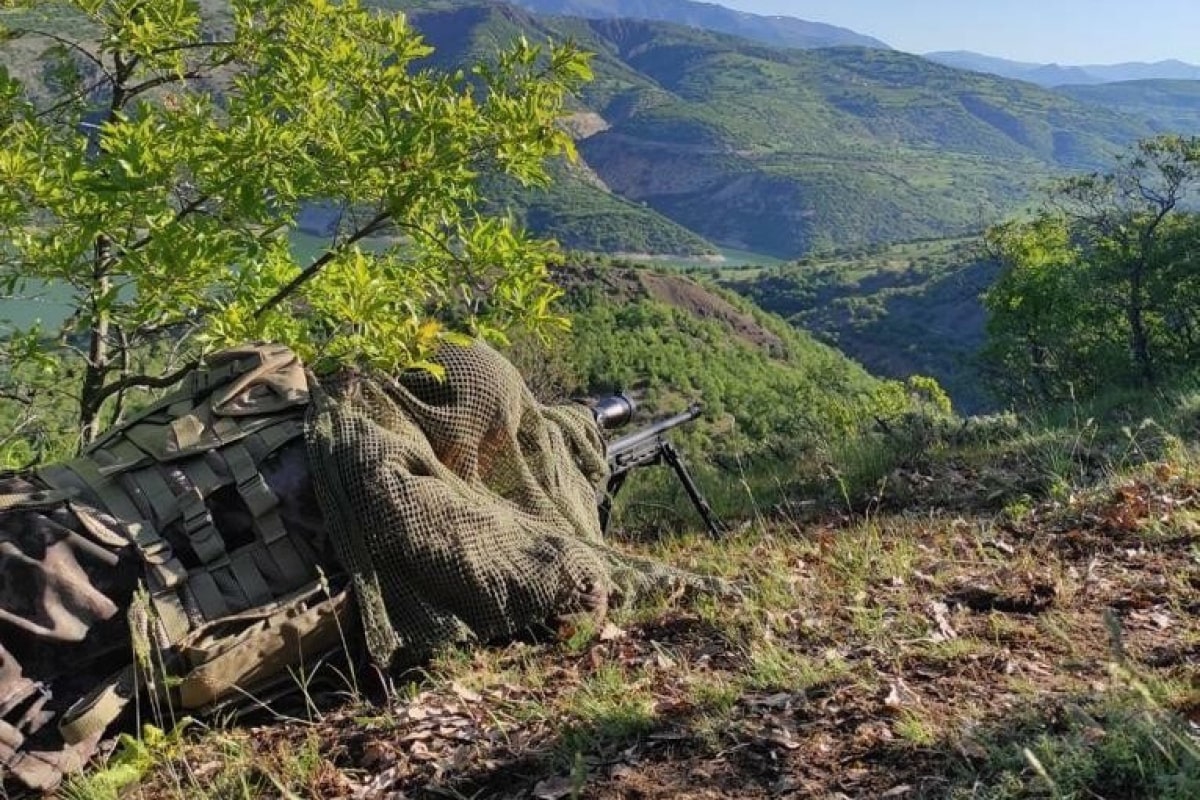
x: 1054, y: 652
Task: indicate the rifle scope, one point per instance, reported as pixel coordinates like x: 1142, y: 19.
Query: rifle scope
x: 648, y: 434
x: 613, y: 411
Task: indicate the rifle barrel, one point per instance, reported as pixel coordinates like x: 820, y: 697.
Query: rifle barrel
x: 645, y: 434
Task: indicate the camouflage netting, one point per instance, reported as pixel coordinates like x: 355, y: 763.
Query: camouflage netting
x: 463, y: 508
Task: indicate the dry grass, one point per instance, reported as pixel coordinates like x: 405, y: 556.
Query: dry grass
x: 926, y: 654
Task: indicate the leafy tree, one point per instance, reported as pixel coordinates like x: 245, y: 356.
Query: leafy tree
x: 1100, y: 287
x: 156, y: 190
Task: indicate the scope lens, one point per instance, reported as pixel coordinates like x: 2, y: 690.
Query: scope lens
x: 613, y: 411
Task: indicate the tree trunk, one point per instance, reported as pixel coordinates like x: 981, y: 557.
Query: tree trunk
x: 99, y: 360
x: 97, y: 368
x: 1139, y: 337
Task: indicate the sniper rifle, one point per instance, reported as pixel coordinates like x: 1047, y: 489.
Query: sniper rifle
x: 643, y: 448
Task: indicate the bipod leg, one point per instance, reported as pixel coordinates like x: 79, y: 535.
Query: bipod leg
x: 606, y: 500
x: 672, y: 457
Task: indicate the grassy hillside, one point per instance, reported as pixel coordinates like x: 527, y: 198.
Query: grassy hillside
x: 670, y: 341
x: 787, y: 151
x: 901, y: 310
x: 1169, y: 106
x: 579, y: 212
x: 962, y: 634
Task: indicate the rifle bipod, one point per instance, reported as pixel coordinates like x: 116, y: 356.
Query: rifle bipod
x: 664, y: 451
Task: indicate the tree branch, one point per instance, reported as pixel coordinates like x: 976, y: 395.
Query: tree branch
x: 195, y: 71
x: 180, y: 215
x: 312, y: 269
x: 66, y: 101
x: 153, y: 83
x: 143, y: 382
x: 436, y: 240
x: 175, y: 48
x: 73, y: 45
x: 22, y: 396
x: 125, y: 354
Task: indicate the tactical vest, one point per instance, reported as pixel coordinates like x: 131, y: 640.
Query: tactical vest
x: 228, y: 617
x: 160, y: 472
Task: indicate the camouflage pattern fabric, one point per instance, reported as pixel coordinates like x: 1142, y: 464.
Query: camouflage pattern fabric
x: 66, y: 577
x: 460, y: 508
x: 68, y: 571
x: 464, y: 509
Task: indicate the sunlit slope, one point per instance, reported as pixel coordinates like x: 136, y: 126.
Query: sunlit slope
x: 693, y: 139
x: 671, y: 341
x: 788, y: 151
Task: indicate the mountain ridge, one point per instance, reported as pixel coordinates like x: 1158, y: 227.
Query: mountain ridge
x: 1171, y: 106
x: 1054, y: 75
x: 777, y: 29
x: 785, y: 152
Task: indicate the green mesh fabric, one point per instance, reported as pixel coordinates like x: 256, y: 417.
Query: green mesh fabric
x: 464, y: 509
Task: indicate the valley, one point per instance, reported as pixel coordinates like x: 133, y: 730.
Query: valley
x: 806, y: 150
x: 899, y: 310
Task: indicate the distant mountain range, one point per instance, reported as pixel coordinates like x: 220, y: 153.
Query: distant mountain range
x: 784, y: 151
x: 1059, y: 75
x: 786, y: 31
x: 779, y: 31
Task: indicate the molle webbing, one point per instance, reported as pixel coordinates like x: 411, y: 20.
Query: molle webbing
x: 159, y: 472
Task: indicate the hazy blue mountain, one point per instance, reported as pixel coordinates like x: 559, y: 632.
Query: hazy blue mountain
x: 1058, y: 74
x: 1170, y: 106
x: 1172, y: 69
x: 780, y: 31
x: 1051, y: 75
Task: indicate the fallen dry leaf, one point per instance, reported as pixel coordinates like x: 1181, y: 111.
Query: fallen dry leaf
x: 941, y: 616
x: 610, y: 633
x: 466, y: 694
x: 784, y: 739
x: 622, y: 772
x: 900, y: 696
x: 553, y: 788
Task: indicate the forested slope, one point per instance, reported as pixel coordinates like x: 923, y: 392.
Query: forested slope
x: 1171, y: 106
x: 901, y: 310
x: 788, y: 151
x: 670, y: 341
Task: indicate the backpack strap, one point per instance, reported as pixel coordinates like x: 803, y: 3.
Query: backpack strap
x: 165, y: 574
x: 89, y: 716
x: 161, y: 468
x: 36, y: 499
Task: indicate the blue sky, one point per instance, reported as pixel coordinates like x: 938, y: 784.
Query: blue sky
x: 1062, y: 31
